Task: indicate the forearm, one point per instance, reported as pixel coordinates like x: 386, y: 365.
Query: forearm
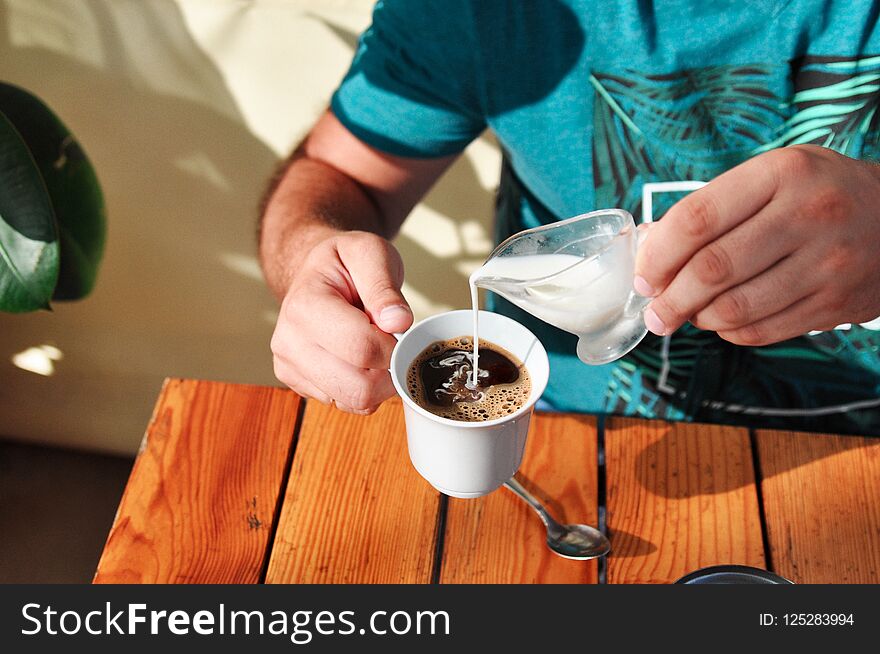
x: 310, y: 202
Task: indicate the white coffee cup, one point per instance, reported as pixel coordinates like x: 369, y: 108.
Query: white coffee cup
x: 468, y: 459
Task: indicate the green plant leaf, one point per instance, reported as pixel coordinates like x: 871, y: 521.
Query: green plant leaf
x: 28, y: 239
x: 72, y: 185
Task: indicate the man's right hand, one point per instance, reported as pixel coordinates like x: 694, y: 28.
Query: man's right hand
x: 340, y: 289
x: 333, y: 338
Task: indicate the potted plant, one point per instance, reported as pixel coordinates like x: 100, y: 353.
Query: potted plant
x: 52, y: 218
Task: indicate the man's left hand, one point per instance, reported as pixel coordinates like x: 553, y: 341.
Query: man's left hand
x: 783, y: 244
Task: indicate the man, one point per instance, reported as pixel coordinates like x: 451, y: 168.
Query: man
x: 774, y: 103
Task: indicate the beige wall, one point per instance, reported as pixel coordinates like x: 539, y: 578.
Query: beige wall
x: 184, y: 107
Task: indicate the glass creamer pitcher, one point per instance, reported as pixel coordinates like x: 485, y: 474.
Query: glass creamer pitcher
x: 577, y: 275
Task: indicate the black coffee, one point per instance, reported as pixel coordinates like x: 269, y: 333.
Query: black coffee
x: 438, y: 381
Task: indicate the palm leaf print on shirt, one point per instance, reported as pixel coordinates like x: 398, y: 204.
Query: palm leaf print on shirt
x: 834, y: 105
x: 696, y: 124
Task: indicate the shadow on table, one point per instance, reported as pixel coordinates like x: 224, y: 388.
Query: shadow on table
x: 623, y: 544
x: 666, y: 467
x: 626, y: 545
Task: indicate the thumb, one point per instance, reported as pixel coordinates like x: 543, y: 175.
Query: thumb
x: 376, y: 271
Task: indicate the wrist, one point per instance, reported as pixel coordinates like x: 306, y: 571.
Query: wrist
x: 284, y: 248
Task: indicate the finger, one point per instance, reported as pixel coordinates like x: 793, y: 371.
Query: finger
x: 326, y: 318
x: 357, y: 388
x: 377, y: 273
x: 762, y: 296
x: 792, y: 321
x: 305, y: 388
x: 293, y: 380
x: 742, y: 253
x: 357, y: 412
x: 699, y: 219
x: 308, y: 390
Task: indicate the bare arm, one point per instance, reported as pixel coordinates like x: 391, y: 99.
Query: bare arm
x: 335, y: 182
x: 325, y: 255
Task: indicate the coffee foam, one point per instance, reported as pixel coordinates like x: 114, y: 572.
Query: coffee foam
x: 497, y: 401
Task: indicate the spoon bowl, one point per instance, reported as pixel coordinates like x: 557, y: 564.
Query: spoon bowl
x: 579, y: 542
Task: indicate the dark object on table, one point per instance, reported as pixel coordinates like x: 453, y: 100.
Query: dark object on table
x: 732, y: 574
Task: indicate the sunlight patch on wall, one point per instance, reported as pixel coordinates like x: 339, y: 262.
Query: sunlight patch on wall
x: 267, y: 51
x: 467, y: 266
x: 436, y: 233
x: 476, y: 239
x: 198, y: 164
x: 485, y: 154
x: 39, y: 360
x: 421, y: 305
x: 244, y: 265
x: 65, y: 28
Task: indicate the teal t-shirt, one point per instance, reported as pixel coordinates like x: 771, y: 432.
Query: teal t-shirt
x: 590, y: 100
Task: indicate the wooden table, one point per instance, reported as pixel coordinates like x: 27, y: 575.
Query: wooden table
x: 250, y: 484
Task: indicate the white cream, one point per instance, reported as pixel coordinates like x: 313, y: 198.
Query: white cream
x: 578, y: 295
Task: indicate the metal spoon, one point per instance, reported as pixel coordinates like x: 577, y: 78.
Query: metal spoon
x: 580, y: 542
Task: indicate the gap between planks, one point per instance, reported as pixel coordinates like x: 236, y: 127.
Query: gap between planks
x: 285, y: 477
x: 822, y: 505
x: 499, y: 539
x: 210, y: 468
x: 680, y: 496
x: 354, y: 510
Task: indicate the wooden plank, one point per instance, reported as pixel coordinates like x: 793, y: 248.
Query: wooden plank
x: 355, y: 510
x: 679, y: 497
x: 200, y: 502
x: 822, y: 506
x: 499, y: 539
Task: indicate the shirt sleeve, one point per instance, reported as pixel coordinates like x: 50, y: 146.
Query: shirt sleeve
x: 412, y: 87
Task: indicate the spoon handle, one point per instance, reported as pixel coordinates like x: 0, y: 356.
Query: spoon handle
x: 513, y: 485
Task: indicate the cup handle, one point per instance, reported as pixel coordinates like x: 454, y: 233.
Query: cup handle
x: 637, y: 303
x: 399, y: 338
